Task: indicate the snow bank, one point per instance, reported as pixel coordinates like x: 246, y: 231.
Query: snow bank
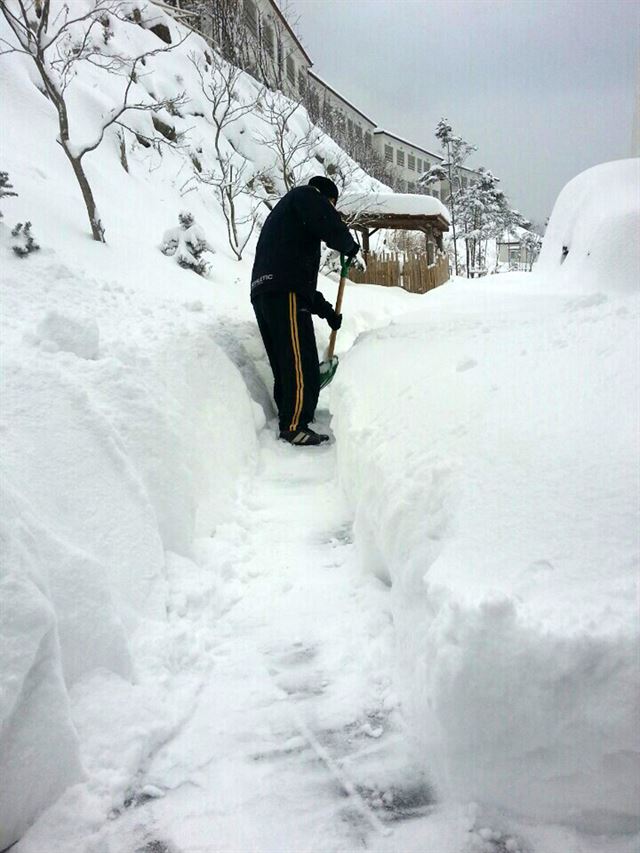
x: 495, y: 489
x: 591, y: 241
x: 112, y: 455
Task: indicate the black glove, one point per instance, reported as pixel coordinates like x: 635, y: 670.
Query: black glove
x: 334, y: 320
x: 324, y: 309
x: 352, y: 253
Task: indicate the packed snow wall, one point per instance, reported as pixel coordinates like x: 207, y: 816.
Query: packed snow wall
x: 487, y: 443
x: 116, y: 447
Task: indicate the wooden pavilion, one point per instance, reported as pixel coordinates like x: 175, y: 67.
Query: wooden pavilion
x: 417, y: 272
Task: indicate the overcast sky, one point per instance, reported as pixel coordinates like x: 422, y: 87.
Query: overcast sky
x: 544, y: 88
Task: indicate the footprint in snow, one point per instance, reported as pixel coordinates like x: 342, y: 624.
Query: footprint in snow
x: 300, y: 653
x: 302, y: 687
x: 466, y: 364
x: 487, y: 840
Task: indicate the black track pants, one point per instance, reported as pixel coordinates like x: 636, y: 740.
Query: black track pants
x: 287, y: 331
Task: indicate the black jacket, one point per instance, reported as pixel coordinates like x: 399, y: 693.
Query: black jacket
x: 288, y: 251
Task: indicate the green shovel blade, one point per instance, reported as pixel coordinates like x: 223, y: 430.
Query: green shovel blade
x: 328, y: 370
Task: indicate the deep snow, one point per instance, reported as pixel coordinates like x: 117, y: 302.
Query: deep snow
x: 507, y: 437
x: 199, y: 650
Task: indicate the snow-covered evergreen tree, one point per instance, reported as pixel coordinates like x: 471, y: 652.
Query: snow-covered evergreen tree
x: 24, y: 242
x: 456, y: 151
x: 531, y: 243
x: 6, y: 188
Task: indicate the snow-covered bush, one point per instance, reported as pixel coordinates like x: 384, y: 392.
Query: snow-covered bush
x: 187, y: 243
x: 6, y: 188
x: 24, y: 242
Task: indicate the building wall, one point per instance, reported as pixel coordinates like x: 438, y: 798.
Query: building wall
x: 286, y: 62
x: 272, y: 54
x: 277, y: 56
x: 358, y: 126
x: 514, y: 254
x: 408, y: 161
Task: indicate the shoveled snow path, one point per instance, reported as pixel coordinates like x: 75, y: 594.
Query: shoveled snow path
x: 296, y: 742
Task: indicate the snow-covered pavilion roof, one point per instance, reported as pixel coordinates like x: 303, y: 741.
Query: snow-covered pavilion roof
x: 394, y: 210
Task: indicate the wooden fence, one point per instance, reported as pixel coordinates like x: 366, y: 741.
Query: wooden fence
x: 408, y: 270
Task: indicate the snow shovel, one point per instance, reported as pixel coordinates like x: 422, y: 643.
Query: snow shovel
x: 329, y: 364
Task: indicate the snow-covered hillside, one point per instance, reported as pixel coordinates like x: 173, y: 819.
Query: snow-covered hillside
x: 197, y: 651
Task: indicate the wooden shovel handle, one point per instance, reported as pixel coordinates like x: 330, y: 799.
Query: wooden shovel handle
x: 344, y: 270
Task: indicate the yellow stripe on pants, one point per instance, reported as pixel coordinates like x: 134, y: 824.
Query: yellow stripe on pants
x: 295, y: 343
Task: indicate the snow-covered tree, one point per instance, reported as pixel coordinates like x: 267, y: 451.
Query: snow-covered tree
x: 58, y: 36
x: 484, y: 214
x: 23, y: 242
x: 291, y: 148
x: 187, y: 243
x: 531, y: 243
x: 233, y: 178
x: 456, y: 151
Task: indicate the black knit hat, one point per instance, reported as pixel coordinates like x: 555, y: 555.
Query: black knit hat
x: 326, y: 186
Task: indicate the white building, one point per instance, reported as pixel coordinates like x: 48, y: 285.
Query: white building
x: 251, y: 33
x: 357, y: 125
x: 256, y: 35
x: 408, y: 161
x: 286, y: 59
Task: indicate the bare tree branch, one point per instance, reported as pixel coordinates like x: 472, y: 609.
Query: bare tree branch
x: 57, y: 74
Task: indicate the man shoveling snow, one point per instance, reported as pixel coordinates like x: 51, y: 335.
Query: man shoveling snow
x: 284, y: 296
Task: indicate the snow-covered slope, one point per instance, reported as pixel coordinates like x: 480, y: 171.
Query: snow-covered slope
x: 495, y: 486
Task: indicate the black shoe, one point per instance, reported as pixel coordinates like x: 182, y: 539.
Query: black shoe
x: 304, y: 436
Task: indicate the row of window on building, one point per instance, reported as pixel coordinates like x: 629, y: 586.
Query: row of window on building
x: 264, y: 33
x: 354, y: 131
x: 284, y: 67
x: 414, y: 164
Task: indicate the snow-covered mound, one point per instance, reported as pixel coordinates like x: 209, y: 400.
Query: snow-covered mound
x: 591, y: 241
x: 112, y: 457
x: 488, y: 444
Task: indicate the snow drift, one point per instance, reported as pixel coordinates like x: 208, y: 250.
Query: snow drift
x: 109, y: 461
x: 591, y: 237
x: 494, y: 487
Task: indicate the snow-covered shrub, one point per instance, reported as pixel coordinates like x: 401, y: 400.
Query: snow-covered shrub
x: 6, y: 188
x: 187, y: 243
x: 24, y: 242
